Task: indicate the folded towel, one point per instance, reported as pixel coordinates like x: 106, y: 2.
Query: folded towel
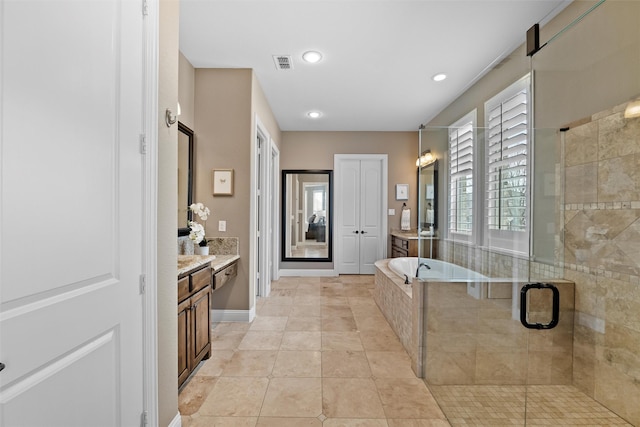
x: 405, y: 220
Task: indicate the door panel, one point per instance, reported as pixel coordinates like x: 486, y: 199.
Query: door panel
x: 348, y: 207
x: 370, y: 217
x: 68, y: 389
x: 360, y: 209
x: 71, y: 318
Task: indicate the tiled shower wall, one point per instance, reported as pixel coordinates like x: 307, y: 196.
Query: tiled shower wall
x: 602, y: 256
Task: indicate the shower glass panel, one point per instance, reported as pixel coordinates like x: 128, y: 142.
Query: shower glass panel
x: 474, y: 348
x: 566, y: 214
x: 586, y: 78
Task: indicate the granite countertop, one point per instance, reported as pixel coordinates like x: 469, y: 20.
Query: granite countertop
x: 187, y: 263
x: 410, y: 235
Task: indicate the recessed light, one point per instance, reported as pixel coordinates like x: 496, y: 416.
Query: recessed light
x: 312, y: 56
x: 439, y: 77
x: 314, y: 114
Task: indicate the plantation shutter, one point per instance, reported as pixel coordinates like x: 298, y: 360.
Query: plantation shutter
x: 507, y: 153
x: 461, y: 178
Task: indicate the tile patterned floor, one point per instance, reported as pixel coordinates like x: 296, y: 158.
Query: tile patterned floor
x: 320, y: 353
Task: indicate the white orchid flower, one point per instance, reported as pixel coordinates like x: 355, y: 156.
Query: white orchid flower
x: 197, y: 232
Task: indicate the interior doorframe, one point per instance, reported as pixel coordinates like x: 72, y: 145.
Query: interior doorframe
x: 149, y: 286
x: 274, y: 209
x: 260, y: 174
x: 384, y: 159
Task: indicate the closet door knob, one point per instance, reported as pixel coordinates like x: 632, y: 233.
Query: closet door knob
x: 363, y: 232
x: 1, y: 366
x: 356, y: 231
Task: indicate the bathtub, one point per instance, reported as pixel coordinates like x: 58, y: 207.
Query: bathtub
x: 438, y: 270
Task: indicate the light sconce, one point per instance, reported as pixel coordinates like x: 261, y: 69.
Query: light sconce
x: 425, y: 159
x: 633, y: 109
x: 170, y: 118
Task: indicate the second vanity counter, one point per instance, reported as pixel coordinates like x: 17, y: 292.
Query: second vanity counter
x: 187, y: 263
x: 407, y: 243
x: 223, y: 267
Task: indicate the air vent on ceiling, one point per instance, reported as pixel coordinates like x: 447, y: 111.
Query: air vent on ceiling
x: 283, y: 62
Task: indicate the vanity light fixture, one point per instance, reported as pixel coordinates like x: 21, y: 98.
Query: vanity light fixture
x: 633, y: 109
x: 425, y: 159
x: 439, y: 77
x: 314, y: 114
x: 170, y: 118
x: 312, y: 56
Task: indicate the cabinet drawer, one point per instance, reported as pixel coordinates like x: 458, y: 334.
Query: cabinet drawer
x: 200, y: 279
x: 183, y: 288
x: 224, y: 275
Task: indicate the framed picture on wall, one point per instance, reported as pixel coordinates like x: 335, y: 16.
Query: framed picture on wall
x: 223, y: 182
x: 402, y: 191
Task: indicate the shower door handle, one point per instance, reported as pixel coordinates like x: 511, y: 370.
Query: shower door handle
x: 523, y: 306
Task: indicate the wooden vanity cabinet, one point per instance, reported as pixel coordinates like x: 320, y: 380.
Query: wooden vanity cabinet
x: 194, y: 320
x: 404, y: 247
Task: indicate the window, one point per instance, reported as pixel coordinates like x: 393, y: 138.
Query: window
x: 507, y: 153
x: 461, y: 157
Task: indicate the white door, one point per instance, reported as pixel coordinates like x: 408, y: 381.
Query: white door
x: 71, y: 213
x: 360, y: 204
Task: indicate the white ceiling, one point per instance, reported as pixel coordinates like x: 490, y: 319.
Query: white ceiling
x: 379, y: 56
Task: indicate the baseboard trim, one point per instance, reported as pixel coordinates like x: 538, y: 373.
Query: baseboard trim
x: 222, y: 315
x: 309, y: 273
x: 176, y: 422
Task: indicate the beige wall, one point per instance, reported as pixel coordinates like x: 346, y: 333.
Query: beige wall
x: 167, y: 216
x: 315, y: 150
x: 223, y: 141
x: 261, y: 108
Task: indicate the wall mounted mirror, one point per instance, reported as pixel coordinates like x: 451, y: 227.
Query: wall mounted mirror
x: 307, y: 215
x: 185, y: 178
x: 428, y: 196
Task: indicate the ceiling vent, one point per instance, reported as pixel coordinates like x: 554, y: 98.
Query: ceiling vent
x: 283, y: 62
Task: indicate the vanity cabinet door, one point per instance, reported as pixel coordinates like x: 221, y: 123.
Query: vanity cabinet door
x: 184, y: 340
x: 201, y: 325
x: 194, y: 320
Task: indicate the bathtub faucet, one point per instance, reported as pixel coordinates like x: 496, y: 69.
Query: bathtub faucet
x: 422, y: 264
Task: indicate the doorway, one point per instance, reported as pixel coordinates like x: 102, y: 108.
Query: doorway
x: 361, y: 200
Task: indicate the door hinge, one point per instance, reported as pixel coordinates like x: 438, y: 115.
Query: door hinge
x: 145, y: 7
x: 143, y: 143
x: 143, y: 283
x: 143, y: 419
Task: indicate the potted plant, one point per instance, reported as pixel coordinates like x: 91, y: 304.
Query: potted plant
x: 197, y: 233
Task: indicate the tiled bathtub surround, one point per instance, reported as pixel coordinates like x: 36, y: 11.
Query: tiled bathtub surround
x: 454, y: 337
x: 395, y: 302
x: 602, y: 256
x: 495, y: 264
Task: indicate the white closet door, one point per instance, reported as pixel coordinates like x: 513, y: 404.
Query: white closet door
x: 371, y: 231
x: 360, y: 206
x: 348, y: 206
x: 71, y: 213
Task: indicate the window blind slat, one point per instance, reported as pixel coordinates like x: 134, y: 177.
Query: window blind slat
x: 507, y: 153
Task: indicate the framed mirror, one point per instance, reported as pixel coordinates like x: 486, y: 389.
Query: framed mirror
x: 307, y: 215
x: 428, y: 196
x: 185, y: 178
